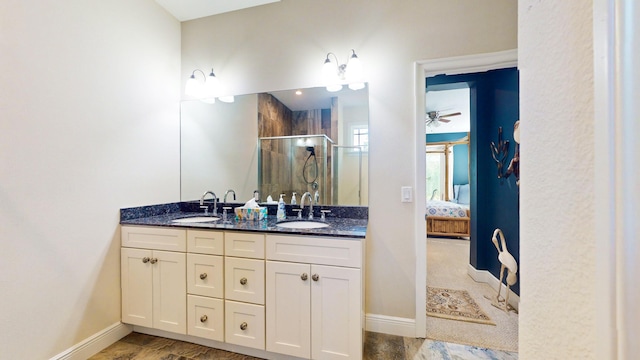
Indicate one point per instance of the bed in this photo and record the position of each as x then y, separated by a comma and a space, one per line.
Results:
449, 218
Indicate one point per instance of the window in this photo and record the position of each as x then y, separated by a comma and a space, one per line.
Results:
360, 137
439, 172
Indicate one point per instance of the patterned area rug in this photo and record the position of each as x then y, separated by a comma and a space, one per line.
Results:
454, 305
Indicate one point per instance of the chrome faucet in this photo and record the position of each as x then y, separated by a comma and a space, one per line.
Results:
215, 203
227, 193
307, 194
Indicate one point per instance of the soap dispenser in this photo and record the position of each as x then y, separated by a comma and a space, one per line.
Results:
281, 214
293, 199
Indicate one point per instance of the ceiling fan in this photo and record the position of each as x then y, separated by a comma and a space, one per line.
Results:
434, 118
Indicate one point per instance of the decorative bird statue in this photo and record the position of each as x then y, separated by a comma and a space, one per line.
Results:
509, 262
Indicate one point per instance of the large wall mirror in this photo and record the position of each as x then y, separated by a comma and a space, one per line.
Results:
301, 140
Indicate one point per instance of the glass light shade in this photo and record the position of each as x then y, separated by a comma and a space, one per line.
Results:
329, 70
354, 69
208, 100
211, 86
193, 87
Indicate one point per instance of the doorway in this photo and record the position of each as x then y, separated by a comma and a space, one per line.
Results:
424, 69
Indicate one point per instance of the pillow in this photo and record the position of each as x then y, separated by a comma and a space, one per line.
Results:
464, 194
456, 192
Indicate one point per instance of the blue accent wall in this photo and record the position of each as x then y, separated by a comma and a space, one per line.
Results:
460, 155
494, 202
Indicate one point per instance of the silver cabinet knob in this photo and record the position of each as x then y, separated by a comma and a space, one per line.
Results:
154, 260
145, 259
203, 276
244, 326
243, 281
304, 276
203, 318
315, 277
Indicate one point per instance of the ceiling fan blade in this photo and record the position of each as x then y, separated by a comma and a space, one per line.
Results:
444, 120
452, 114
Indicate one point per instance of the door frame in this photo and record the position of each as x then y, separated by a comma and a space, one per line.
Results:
422, 70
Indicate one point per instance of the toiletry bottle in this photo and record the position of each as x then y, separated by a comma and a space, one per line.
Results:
293, 199
281, 214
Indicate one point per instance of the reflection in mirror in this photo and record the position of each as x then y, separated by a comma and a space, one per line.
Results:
218, 148
273, 142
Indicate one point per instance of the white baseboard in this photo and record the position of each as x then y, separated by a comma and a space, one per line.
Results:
390, 325
95, 343
486, 277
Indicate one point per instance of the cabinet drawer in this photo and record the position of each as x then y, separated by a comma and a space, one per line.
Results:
205, 275
154, 238
205, 317
246, 245
244, 324
315, 250
244, 280
205, 242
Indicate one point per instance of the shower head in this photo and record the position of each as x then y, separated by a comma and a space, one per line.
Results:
312, 150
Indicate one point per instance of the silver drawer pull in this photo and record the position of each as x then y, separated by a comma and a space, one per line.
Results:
304, 276
243, 281
145, 259
203, 276
203, 318
243, 326
154, 260
315, 277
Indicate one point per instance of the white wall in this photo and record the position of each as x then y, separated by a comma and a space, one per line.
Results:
283, 45
557, 241
89, 123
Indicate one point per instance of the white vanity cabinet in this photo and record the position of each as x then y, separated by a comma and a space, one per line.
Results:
153, 279
314, 297
282, 294
205, 284
244, 289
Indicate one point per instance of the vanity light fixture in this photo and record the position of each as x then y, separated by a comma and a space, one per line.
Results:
207, 89
336, 74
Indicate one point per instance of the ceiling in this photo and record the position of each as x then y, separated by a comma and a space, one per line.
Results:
446, 102
320, 98
184, 10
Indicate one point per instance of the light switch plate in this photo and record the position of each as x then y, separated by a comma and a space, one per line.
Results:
406, 194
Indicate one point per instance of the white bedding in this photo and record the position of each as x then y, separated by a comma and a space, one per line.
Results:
446, 208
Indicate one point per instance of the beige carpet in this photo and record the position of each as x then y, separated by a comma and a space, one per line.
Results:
447, 261
455, 305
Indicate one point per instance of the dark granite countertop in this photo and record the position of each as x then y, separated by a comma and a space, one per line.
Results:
164, 214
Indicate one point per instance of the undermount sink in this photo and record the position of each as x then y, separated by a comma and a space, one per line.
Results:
197, 219
302, 224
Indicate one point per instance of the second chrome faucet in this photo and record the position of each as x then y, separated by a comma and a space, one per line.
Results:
304, 196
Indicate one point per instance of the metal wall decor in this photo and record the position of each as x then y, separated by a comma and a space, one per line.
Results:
500, 152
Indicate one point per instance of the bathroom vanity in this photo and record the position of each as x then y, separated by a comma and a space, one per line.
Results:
249, 287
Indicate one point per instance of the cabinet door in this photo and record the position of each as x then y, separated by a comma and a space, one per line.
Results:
336, 331
288, 308
170, 291
136, 283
